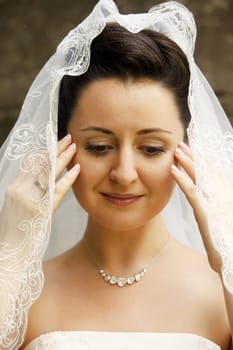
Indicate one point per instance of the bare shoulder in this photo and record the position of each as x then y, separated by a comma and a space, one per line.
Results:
202, 288
194, 269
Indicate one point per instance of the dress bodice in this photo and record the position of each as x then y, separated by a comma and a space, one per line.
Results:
89, 340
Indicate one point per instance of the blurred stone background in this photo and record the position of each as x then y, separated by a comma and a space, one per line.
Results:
31, 29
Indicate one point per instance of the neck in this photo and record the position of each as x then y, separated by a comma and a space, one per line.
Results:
125, 251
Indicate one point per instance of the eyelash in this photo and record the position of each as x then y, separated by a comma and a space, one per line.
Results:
101, 150
97, 150
156, 151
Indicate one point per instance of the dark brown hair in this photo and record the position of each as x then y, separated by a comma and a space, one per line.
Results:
116, 52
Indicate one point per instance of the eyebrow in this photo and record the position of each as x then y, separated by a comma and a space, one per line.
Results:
140, 132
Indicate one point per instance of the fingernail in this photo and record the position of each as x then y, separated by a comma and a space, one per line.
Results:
71, 148
179, 152
75, 169
183, 144
174, 168
66, 138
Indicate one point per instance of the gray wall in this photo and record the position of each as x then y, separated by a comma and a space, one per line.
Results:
31, 29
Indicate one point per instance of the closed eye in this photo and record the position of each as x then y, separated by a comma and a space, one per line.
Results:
102, 150
98, 150
152, 151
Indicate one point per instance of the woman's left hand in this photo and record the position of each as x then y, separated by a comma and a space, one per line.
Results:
187, 182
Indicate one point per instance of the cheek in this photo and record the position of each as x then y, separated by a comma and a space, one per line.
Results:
165, 180
92, 172
90, 166
159, 170
159, 179
166, 176
162, 179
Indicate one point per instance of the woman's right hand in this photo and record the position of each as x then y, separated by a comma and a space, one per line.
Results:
65, 152
19, 207
19, 225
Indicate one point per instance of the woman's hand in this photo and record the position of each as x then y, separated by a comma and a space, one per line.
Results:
186, 181
65, 152
27, 189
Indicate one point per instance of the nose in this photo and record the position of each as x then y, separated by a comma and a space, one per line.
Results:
124, 170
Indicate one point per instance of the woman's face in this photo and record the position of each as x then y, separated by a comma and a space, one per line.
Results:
126, 134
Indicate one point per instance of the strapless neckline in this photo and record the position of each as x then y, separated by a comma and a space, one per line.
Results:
90, 340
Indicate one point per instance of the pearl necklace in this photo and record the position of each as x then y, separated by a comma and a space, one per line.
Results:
124, 281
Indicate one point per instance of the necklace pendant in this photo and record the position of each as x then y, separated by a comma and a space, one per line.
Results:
122, 281
131, 280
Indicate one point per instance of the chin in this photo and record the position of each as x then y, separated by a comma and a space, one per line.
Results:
119, 218
121, 222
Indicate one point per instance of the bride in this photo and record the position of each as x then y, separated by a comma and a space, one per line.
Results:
147, 151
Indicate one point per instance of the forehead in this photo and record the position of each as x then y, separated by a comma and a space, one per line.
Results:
134, 104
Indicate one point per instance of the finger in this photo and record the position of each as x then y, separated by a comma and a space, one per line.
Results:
190, 191
63, 144
186, 162
64, 159
186, 149
186, 184
64, 184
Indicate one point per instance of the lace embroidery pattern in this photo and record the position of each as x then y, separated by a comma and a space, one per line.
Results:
74, 50
32, 147
214, 181
21, 277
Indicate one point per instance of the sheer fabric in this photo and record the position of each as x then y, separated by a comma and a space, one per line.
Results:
29, 153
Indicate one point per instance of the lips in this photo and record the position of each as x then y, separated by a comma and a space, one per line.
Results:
120, 195
121, 199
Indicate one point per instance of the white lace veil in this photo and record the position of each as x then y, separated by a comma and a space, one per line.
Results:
30, 152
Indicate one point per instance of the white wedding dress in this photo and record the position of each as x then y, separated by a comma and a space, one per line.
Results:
89, 340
